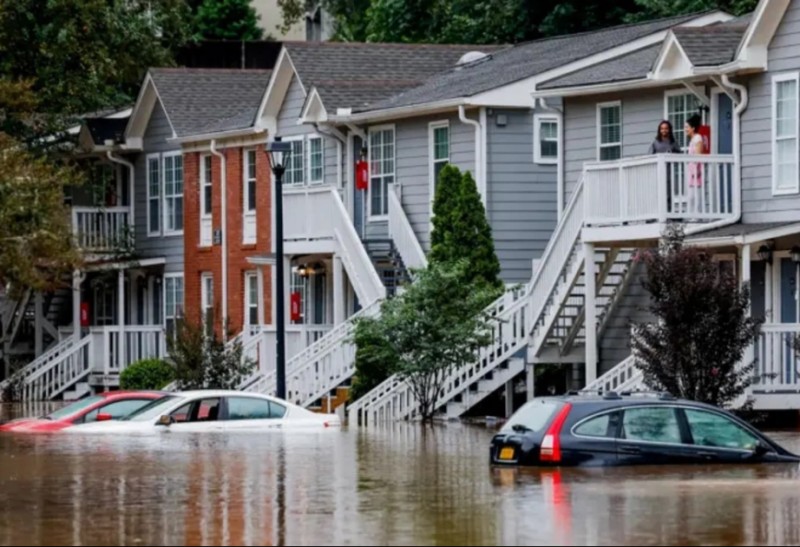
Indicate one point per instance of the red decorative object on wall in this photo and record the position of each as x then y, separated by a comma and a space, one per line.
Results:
84, 314
362, 175
294, 306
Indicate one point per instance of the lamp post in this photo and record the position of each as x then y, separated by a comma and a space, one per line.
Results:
279, 153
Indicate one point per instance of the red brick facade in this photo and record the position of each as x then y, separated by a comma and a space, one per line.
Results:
200, 260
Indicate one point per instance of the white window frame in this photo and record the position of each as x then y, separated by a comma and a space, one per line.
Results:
538, 120
386, 127
206, 294
179, 195
164, 316
248, 304
150, 197
249, 209
307, 152
304, 178
600, 144
432, 127
777, 79
206, 235
675, 93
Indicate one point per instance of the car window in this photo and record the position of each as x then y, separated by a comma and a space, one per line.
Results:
203, 410
248, 408
153, 409
74, 407
711, 429
533, 415
276, 410
117, 409
598, 426
652, 424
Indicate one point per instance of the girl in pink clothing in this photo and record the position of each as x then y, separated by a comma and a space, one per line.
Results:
694, 170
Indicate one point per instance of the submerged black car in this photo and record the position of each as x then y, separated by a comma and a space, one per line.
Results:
628, 429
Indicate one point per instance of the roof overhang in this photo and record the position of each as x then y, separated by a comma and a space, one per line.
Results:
279, 82
755, 43
745, 239
233, 133
313, 109
142, 110
344, 115
672, 62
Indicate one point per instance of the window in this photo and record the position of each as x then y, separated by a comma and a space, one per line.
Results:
599, 426
251, 408
249, 194
609, 124
651, 424
173, 300
533, 416
710, 429
439, 138
205, 201
204, 410
316, 159
207, 299
251, 298
785, 150
173, 193
545, 139
381, 169
295, 169
153, 195
680, 107
117, 410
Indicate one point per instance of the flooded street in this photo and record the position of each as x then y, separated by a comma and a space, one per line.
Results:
398, 485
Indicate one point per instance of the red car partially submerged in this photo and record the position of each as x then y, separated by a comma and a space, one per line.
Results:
112, 405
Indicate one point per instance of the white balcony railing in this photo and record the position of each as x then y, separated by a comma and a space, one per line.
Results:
261, 340
777, 363
141, 342
657, 188
102, 229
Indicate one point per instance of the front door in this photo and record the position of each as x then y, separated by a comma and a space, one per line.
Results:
789, 314
723, 144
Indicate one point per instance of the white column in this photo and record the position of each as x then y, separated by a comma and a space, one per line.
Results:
287, 289
509, 398
530, 380
121, 316
591, 313
38, 323
768, 307
338, 291
260, 275
76, 306
749, 354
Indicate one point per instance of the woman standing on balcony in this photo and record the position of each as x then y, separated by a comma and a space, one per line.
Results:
664, 143
694, 170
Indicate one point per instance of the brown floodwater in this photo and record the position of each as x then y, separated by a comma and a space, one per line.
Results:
395, 485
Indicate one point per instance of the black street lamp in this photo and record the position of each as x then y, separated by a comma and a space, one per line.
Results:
279, 153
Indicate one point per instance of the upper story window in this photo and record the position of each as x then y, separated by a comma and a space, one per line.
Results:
206, 186
249, 184
316, 158
381, 169
173, 300
153, 194
609, 126
439, 137
173, 193
545, 139
679, 108
295, 169
785, 150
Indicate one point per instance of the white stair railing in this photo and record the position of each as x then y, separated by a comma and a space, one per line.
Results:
530, 314
625, 376
402, 233
59, 374
44, 361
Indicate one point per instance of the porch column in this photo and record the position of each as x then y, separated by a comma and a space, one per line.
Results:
38, 323
76, 306
121, 317
530, 380
509, 398
749, 354
260, 276
338, 291
590, 305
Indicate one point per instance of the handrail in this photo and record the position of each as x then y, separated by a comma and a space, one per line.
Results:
402, 233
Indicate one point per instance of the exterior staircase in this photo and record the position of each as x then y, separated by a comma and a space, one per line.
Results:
388, 263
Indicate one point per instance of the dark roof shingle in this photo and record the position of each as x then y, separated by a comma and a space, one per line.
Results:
632, 66
711, 46
204, 100
523, 61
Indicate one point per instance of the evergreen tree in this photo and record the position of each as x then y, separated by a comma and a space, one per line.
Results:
445, 202
226, 20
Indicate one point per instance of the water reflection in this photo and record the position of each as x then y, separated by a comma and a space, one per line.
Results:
399, 485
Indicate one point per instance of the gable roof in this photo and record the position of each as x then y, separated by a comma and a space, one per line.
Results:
712, 45
209, 100
632, 66
526, 60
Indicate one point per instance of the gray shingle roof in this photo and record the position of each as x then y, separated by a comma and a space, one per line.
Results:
353, 75
202, 100
739, 229
712, 45
633, 66
523, 61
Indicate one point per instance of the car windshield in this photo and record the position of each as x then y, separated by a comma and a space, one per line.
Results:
533, 416
71, 409
153, 409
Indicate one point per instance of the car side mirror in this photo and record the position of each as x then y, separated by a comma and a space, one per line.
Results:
103, 417
761, 449
165, 420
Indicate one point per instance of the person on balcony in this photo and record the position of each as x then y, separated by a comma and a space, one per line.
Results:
694, 170
665, 142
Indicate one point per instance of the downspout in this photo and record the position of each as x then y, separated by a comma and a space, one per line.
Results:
131, 184
560, 184
224, 191
478, 159
744, 99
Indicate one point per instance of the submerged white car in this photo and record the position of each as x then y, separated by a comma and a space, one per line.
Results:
214, 410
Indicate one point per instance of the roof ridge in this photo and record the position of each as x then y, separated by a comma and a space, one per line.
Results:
418, 45
199, 70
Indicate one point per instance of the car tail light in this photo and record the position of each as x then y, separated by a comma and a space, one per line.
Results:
551, 444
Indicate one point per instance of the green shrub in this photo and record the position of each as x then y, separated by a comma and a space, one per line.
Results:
147, 374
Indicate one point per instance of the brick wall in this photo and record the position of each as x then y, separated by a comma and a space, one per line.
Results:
199, 260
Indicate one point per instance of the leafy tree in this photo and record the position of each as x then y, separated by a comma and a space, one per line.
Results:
461, 230
204, 361
226, 20
85, 55
695, 347
147, 374
375, 359
654, 9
